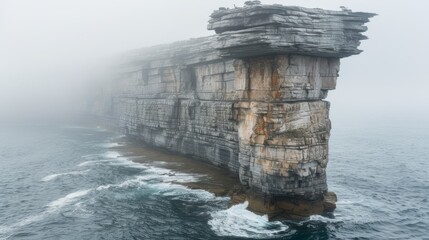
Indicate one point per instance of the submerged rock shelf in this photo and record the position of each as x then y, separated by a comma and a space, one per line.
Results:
249, 99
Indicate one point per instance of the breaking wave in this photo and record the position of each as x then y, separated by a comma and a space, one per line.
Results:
155, 178
23, 222
237, 221
111, 158
110, 145
110, 154
319, 218
93, 162
52, 207
53, 176
68, 199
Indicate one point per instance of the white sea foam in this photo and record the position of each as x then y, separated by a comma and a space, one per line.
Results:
111, 154
157, 162
158, 171
237, 221
114, 162
90, 156
127, 163
4, 230
165, 182
346, 202
68, 199
146, 180
52, 207
168, 176
108, 156
171, 176
166, 189
117, 137
28, 220
100, 129
110, 145
138, 181
320, 218
92, 162
186, 194
53, 176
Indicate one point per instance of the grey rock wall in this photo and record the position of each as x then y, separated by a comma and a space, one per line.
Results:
275, 29
249, 99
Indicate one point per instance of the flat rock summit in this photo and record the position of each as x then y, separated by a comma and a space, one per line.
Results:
248, 99
275, 29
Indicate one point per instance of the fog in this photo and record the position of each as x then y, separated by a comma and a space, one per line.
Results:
49, 48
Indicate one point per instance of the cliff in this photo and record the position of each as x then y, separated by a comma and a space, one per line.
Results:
248, 99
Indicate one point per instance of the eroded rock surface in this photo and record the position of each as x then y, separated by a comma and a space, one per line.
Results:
275, 29
249, 99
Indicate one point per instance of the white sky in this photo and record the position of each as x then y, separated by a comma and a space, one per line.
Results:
43, 41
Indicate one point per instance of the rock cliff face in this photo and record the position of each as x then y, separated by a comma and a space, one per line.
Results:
249, 99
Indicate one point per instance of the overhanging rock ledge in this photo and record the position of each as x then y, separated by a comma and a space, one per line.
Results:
249, 99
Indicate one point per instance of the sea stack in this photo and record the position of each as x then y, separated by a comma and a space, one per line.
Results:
248, 99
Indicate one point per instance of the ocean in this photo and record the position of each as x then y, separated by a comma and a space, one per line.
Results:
70, 182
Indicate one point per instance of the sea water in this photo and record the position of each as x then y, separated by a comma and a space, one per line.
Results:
68, 182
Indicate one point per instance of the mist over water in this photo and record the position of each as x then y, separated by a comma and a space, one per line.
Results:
51, 50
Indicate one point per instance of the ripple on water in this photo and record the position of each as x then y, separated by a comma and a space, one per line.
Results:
150, 203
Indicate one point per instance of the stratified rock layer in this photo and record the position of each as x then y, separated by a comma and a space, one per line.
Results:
249, 99
276, 29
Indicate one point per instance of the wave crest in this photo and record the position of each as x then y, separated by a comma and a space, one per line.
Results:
69, 198
237, 221
53, 176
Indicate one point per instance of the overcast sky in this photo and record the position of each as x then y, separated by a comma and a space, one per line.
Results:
43, 42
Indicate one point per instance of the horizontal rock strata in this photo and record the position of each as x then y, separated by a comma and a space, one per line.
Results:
277, 29
249, 99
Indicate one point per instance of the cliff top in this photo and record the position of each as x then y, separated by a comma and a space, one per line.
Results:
257, 30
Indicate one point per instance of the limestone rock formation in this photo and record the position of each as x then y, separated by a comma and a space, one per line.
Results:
275, 29
249, 99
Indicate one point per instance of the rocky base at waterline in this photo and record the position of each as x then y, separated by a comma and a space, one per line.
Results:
221, 182
289, 208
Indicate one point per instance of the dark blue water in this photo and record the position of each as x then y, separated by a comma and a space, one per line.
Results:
69, 183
